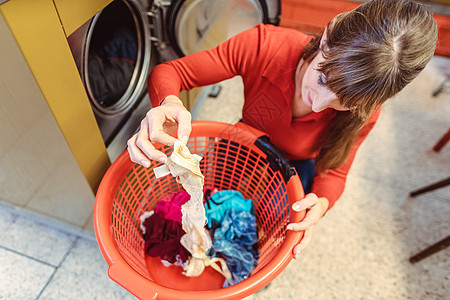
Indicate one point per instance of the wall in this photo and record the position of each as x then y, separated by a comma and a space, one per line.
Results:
38, 171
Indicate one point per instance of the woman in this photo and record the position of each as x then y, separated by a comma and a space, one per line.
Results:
317, 98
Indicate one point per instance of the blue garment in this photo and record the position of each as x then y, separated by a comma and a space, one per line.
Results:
221, 201
236, 240
237, 226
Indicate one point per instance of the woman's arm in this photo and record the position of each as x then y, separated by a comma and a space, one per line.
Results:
227, 60
326, 189
166, 80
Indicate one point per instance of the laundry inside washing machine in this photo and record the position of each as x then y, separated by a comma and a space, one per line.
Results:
112, 56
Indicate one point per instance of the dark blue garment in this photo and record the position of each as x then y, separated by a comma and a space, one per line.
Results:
112, 61
306, 171
235, 241
237, 226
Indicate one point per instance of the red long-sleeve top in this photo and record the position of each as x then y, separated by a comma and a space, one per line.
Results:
266, 58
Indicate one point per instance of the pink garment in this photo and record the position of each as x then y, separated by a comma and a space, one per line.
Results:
170, 205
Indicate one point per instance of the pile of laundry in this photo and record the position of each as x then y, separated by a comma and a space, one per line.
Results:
175, 230
231, 229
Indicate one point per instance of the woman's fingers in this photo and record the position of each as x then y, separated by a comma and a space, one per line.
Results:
141, 149
314, 208
312, 217
159, 125
165, 120
309, 201
136, 154
307, 237
179, 116
184, 126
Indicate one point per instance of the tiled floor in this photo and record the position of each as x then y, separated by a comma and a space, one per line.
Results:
360, 249
38, 261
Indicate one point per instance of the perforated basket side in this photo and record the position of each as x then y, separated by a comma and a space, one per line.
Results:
228, 165
225, 165
137, 192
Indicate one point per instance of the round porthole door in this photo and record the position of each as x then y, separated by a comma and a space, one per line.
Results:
112, 52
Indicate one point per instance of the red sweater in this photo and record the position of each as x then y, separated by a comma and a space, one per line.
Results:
266, 58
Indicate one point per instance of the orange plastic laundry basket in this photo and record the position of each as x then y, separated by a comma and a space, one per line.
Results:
235, 157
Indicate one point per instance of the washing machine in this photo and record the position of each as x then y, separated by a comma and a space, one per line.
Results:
182, 27
116, 49
114, 54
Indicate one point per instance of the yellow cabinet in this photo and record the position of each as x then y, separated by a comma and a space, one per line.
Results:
36, 26
49, 129
73, 14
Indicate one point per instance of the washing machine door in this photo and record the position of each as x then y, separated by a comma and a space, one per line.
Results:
112, 52
183, 27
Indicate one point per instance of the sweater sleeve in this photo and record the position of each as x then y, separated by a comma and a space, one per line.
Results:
331, 184
207, 67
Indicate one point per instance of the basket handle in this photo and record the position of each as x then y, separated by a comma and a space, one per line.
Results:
255, 132
276, 158
248, 136
242, 133
132, 281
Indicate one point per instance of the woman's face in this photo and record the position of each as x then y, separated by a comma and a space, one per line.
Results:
315, 93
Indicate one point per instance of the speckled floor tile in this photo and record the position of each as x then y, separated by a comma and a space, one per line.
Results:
360, 250
398, 152
227, 106
6, 219
349, 260
83, 275
36, 240
21, 277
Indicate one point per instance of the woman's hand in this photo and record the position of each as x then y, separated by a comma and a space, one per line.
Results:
315, 208
159, 125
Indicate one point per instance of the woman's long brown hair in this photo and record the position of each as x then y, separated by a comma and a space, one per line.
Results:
371, 53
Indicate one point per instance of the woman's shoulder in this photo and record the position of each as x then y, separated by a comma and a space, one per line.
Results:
274, 40
267, 48
276, 32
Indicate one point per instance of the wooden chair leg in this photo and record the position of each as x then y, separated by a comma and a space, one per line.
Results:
441, 143
444, 243
431, 187
438, 246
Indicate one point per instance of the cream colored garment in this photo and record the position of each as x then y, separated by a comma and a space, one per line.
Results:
185, 167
